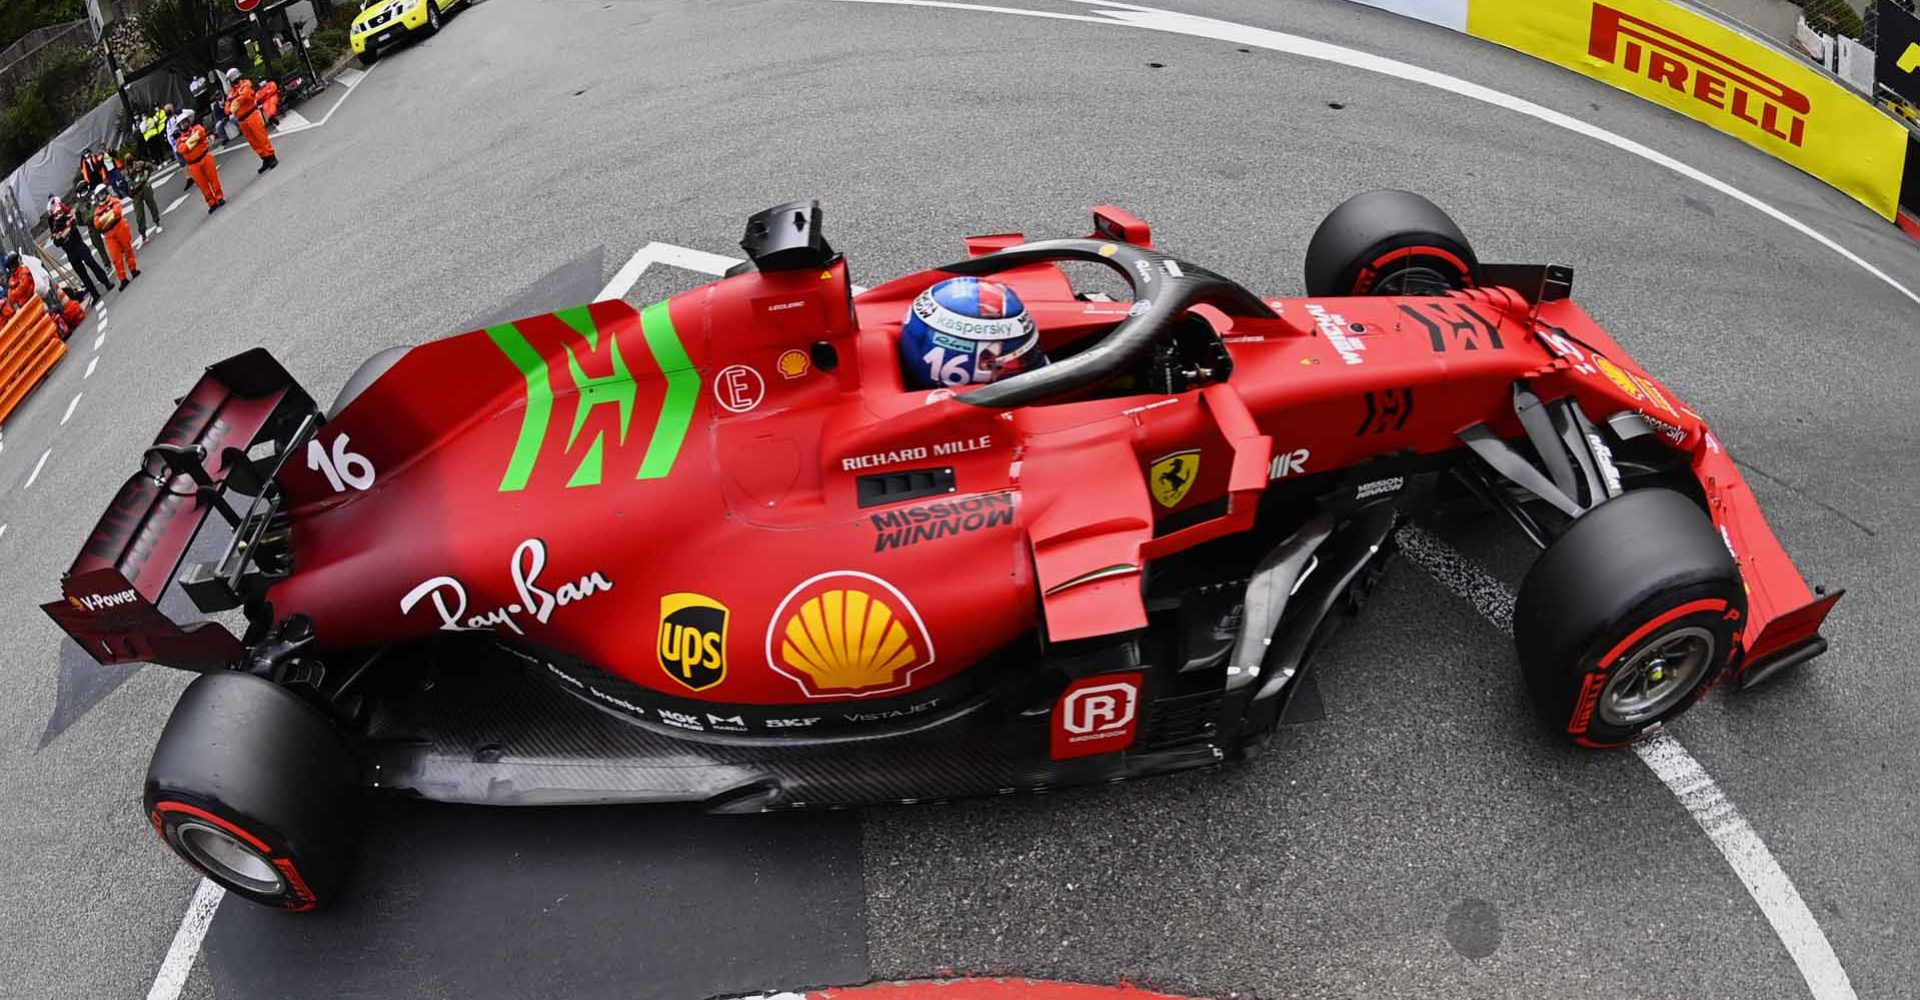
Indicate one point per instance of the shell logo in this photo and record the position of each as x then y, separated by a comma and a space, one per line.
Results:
1618, 377
793, 364
848, 635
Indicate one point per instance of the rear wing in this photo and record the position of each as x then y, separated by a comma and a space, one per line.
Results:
110, 595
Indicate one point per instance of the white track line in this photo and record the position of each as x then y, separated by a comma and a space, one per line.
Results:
175, 203
104, 320
91, 364
178, 964
97, 341
37, 466
1746, 854
294, 121
1750, 860
70, 406
350, 83
1114, 14
663, 253
686, 258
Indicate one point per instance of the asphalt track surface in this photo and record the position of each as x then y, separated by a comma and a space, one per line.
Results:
1413, 833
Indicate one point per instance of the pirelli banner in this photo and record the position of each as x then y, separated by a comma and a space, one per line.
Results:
1715, 75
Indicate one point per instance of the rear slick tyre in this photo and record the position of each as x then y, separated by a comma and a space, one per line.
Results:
254, 787
1628, 618
1389, 243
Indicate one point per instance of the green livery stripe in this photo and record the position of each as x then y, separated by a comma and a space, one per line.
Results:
683, 390
533, 423
676, 409
588, 474
580, 318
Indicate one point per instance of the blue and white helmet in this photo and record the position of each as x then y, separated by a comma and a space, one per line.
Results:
965, 331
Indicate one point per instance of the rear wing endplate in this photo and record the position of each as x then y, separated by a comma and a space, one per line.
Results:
110, 595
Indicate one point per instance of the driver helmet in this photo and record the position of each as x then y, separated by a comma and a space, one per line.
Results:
967, 331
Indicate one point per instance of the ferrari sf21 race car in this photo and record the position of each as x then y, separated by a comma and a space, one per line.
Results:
716, 551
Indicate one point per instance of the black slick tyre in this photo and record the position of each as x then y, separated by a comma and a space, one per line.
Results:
255, 788
1389, 243
1628, 617
433, 20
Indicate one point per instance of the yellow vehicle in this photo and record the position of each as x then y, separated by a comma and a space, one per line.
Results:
381, 23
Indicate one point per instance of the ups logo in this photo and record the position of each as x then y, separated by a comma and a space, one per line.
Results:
693, 640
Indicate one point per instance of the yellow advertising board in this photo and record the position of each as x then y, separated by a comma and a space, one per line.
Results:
1717, 76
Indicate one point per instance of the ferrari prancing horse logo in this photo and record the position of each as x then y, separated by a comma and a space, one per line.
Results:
1170, 478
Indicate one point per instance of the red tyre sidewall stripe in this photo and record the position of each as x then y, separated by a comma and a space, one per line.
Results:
305, 896
1424, 251
1595, 681
298, 884
197, 812
1689, 608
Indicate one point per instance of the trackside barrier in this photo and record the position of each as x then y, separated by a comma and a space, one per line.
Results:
29, 348
1674, 56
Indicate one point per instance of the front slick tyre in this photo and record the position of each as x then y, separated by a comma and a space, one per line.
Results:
1389, 243
253, 786
1628, 618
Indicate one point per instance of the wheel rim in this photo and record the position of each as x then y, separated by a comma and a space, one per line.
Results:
1414, 280
1656, 677
222, 854
433, 15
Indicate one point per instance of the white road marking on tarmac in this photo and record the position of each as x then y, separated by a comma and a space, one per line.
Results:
240, 142
91, 364
293, 121
1746, 854
104, 320
1750, 860
178, 964
685, 258
97, 341
3, 531
74, 403
1152, 19
37, 466
662, 253
349, 82
175, 203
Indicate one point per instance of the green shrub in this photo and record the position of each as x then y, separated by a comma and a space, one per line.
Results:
27, 125
16, 19
327, 45
184, 27
1833, 17
62, 89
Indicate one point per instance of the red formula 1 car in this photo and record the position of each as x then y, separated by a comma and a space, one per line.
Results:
713, 550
